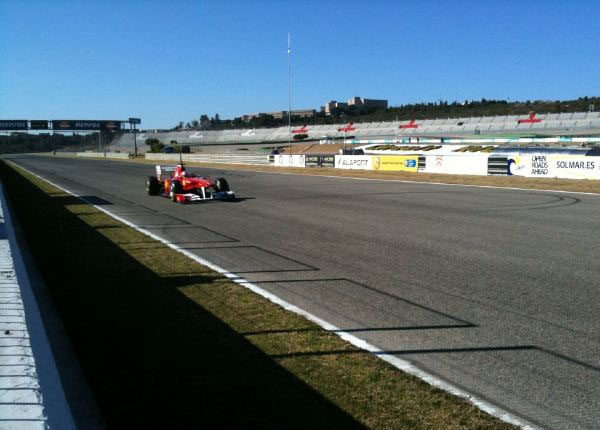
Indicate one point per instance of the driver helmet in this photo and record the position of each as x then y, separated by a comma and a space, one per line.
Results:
180, 171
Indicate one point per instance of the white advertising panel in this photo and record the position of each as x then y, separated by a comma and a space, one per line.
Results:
283, 160
472, 164
355, 162
555, 166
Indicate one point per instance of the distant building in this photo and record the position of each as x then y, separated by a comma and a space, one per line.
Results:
250, 116
354, 101
359, 101
302, 113
331, 105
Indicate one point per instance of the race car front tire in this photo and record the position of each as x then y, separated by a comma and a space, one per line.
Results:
176, 188
152, 186
221, 185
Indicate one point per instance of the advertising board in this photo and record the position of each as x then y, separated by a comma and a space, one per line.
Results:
91, 125
312, 161
555, 166
62, 124
327, 160
319, 160
39, 124
13, 124
354, 162
472, 164
403, 163
283, 160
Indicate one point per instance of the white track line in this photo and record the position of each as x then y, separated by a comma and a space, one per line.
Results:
399, 363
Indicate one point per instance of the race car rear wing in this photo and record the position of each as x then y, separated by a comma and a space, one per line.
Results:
160, 170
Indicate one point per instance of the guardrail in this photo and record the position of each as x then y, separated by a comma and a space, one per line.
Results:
119, 155
211, 158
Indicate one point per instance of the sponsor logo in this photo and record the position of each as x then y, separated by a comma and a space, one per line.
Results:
515, 166
353, 162
587, 165
87, 125
376, 163
13, 125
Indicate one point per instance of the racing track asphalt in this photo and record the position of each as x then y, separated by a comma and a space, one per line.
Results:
496, 291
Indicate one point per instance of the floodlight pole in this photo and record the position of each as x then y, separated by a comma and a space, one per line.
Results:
289, 94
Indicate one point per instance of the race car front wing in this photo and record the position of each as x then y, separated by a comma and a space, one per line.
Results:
193, 197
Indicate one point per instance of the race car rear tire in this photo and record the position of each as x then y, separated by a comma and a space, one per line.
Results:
152, 186
221, 185
176, 188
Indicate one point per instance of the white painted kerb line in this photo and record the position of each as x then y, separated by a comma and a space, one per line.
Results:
31, 392
399, 363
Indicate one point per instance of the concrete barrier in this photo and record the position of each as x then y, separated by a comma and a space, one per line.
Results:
119, 155
210, 158
31, 391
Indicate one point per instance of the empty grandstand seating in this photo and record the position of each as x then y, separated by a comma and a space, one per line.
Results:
552, 124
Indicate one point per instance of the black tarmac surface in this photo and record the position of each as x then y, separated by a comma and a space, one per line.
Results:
496, 291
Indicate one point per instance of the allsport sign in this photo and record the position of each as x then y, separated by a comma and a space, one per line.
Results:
354, 162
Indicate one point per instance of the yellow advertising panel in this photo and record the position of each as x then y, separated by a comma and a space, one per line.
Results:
404, 163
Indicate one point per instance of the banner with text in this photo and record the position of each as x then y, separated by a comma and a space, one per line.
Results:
87, 125
555, 166
354, 162
399, 163
13, 124
319, 160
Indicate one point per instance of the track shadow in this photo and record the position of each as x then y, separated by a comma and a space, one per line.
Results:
154, 358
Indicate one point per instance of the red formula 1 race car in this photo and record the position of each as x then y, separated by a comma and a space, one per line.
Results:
181, 186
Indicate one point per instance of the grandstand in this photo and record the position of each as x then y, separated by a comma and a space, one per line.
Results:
551, 124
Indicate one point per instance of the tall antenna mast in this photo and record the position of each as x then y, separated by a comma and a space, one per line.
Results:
289, 93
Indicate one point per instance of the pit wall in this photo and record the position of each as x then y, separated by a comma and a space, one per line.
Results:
529, 165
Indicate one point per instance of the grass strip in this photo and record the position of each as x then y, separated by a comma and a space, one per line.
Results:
165, 342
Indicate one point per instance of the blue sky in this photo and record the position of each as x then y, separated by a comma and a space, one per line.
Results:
171, 61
